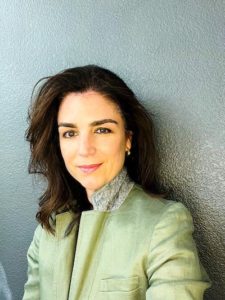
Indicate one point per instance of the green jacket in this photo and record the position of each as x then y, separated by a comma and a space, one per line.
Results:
143, 250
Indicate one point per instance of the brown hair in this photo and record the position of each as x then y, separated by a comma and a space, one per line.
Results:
63, 191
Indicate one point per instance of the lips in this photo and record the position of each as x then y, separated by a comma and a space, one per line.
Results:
87, 169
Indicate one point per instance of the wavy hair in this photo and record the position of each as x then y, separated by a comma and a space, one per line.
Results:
63, 192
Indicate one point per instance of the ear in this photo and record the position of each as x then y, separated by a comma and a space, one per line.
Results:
129, 135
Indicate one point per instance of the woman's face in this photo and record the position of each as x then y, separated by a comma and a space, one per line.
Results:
92, 137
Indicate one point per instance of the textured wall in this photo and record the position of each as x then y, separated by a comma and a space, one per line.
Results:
171, 53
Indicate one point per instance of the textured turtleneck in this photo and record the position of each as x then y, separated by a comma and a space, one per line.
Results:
113, 194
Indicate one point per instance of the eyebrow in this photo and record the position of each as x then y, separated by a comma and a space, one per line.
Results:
94, 123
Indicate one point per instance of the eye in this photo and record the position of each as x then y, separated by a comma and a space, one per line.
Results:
103, 130
69, 134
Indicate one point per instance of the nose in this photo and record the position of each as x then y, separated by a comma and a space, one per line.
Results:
86, 145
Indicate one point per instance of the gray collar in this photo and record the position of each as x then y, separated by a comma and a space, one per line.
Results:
113, 194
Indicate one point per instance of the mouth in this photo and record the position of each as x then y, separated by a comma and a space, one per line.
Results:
87, 169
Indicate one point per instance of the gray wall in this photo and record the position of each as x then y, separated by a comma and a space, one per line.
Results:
171, 53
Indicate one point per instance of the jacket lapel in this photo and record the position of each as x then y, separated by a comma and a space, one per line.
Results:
87, 254
65, 250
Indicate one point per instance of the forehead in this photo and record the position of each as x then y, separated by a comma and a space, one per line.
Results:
89, 105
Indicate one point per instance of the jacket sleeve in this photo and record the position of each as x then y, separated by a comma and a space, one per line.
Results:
174, 271
31, 288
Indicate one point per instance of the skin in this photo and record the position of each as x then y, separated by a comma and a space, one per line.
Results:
93, 139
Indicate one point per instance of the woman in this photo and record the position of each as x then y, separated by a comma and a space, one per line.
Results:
104, 233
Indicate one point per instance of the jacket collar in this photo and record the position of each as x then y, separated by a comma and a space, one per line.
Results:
62, 222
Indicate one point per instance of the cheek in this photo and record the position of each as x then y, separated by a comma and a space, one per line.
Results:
116, 148
65, 152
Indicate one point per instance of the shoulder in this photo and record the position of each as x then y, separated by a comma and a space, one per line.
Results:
37, 234
138, 198
156, 209
34, 246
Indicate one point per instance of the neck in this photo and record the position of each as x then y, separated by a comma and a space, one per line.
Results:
111, 195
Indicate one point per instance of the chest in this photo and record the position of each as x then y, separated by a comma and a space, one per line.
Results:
108, 254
